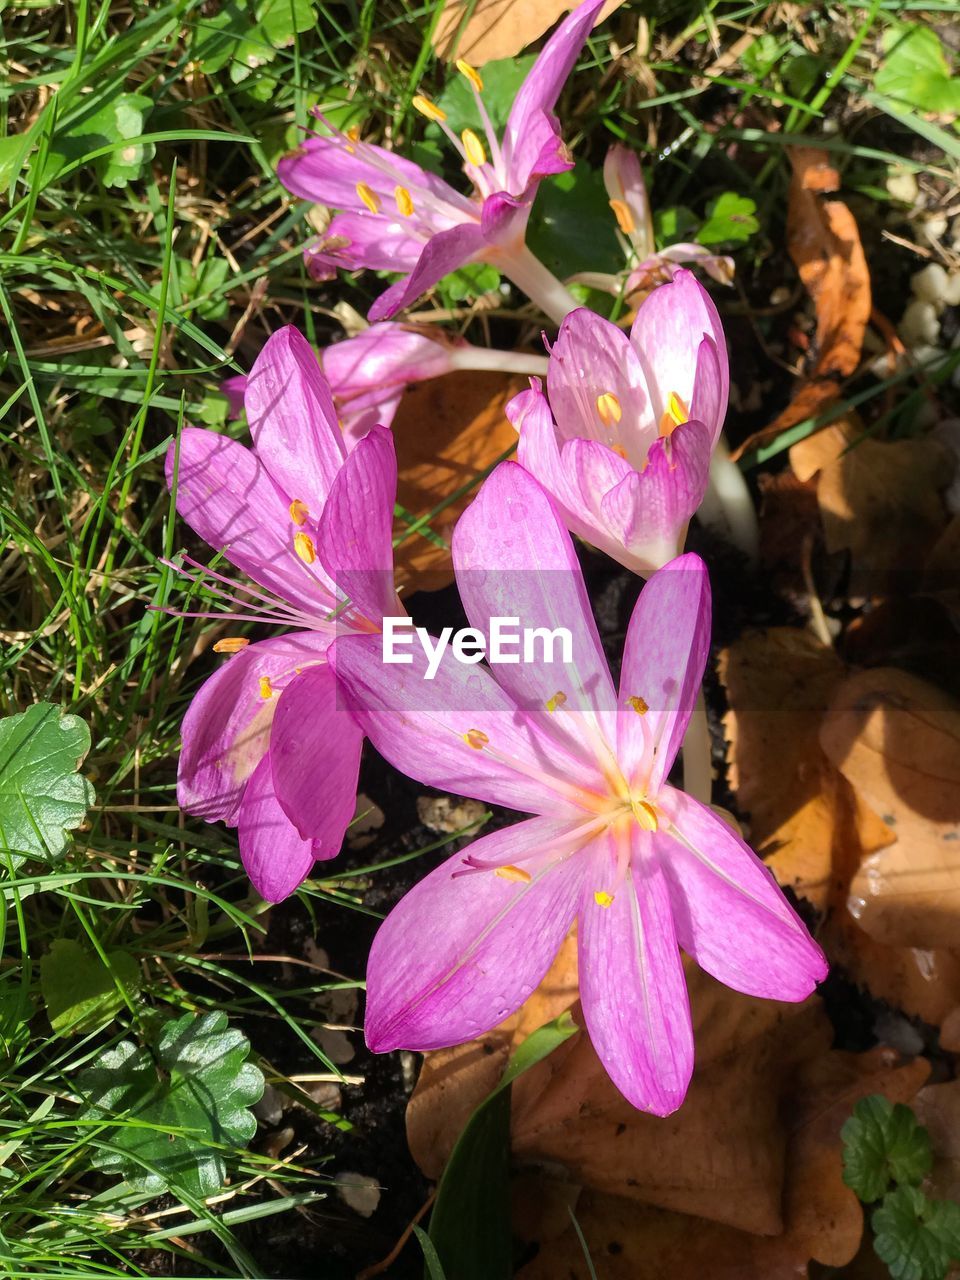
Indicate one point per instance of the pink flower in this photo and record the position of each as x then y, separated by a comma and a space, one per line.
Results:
643, 869
266, 745
624, 442
399, 217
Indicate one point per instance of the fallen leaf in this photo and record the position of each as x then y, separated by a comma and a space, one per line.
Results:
448, 432
938, 1107
950, 1031
482, 30
896, 739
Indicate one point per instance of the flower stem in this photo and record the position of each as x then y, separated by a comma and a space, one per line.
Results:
500, 361
697, 767
727, 507
541, 286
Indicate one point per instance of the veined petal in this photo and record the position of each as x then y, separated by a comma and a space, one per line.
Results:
234, 388
386, 354
514, 559
623, 180
663, 660
632, 985
729, 912
293, 419
443, 253
227, 497
465, 948
459, 731
539, 448
274, 855
667, 334
503, 218
315, 749
354, 240
538, 152
356, 528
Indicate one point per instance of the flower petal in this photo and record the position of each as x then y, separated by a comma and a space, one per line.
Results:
442, 253
233, 388
227, 497
226, 731
537, 152
356, 528
663, 660
514, 559
354, 240
729, 912
465, 948
623, 180
384, 355
293, 420
632, 985
315, 749
274, 855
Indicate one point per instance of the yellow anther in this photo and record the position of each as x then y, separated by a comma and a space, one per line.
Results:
608, 407
645, 814
230, 644
428, 108
638, 704
404, 201
266, 688
303, 546
675, 414
558, 699
603, 899
624, 217
476, 738
369, 197
471, 74
473, 147
298, 511
513, 873
353, 133
619, 450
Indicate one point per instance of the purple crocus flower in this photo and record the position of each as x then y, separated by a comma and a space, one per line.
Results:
641, 867
624, 442
399, 217
267, 747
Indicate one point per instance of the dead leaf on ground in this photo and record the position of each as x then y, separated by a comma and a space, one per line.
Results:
482, 30
938, 1107
896, 739
447, 431
824, 243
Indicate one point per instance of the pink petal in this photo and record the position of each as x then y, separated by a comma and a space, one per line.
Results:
356, 529
354, 240
623, 180
233, 388
514, 559
384, 355
226, 731
537, 152
425, 728
227, 497
293, 420
729, 912
631, 982
462, 951
443, 253
274, 856
315, 749
663, 660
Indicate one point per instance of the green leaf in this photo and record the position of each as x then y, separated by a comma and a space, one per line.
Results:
80, 992
916, 71
470, 1222
673, 225
917, 1238
729, 219
42, 797
467, 283
207, 278
179, 1104
761, 56
281, 20
572, 227
501, 80
217, 36
883, 1143
119, 120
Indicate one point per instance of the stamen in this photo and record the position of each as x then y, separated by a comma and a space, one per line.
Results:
624, 217
266, 688
608, 407
353, 137
303, 546
368, 196
645, 814
298, 511
473, 147
603, 899
558, 699
471, 74
404, 201
513, 873
476, 738
231, 644
638, 704
428, 108
675, 414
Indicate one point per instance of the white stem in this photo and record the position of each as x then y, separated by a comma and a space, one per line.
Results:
541, 286
697, 765
500, 361
727, 508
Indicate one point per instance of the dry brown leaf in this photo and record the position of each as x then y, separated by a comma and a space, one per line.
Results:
950, 1031
721, 1155
897, 741
447, 432
498, 28
824, 243
938, 1107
